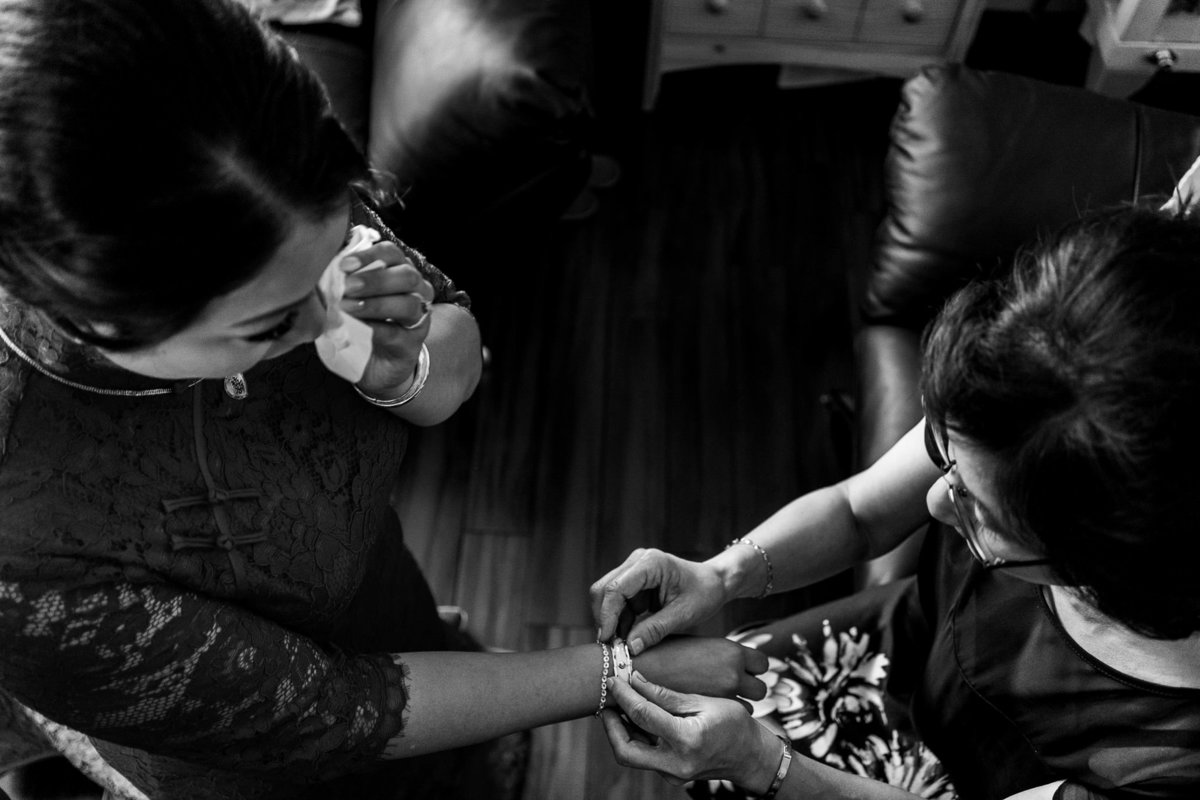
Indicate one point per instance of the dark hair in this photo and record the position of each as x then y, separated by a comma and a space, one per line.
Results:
153, 155
1080, 373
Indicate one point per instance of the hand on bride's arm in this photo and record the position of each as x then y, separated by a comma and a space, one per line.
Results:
685, 737
690, 737
677, 593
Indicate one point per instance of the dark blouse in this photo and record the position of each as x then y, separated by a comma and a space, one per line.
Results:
1008, 701
208, 587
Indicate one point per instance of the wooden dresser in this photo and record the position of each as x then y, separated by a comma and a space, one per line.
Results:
828, 37
1133, 39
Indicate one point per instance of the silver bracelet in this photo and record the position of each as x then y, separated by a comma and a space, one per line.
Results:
770, 571
785, 761
622, 661
420, 376
603, 678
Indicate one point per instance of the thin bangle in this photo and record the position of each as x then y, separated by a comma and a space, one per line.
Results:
766, 558
420, 376
785, 762
603, 678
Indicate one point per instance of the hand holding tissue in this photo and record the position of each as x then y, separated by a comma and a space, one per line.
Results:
345, 346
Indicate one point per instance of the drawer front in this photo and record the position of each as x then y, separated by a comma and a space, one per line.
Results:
733, 17
913, 22
813, 20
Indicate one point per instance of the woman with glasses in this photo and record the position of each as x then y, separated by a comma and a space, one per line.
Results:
1049, 646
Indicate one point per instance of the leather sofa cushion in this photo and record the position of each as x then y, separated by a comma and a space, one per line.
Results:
981, 162
308, 12
343, 64
473, 102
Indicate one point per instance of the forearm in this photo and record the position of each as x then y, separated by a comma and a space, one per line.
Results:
811, 538
830, 529
455, 363
805, 778
808, 778
462, 698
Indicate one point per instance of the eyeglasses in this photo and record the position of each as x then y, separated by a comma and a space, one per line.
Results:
964, 507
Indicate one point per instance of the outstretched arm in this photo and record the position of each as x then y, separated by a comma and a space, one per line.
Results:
827, 531
179, 674
813, 537
499, 694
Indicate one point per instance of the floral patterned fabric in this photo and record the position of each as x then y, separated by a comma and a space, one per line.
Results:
210, 588
827, 698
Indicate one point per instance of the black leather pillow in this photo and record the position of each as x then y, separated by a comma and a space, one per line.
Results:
479, 109
982, 162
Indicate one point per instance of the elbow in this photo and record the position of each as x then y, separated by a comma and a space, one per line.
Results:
871, 530
452, 394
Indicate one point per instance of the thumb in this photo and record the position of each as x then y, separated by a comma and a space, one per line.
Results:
669, 700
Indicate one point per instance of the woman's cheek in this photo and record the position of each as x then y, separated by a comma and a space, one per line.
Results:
937, 499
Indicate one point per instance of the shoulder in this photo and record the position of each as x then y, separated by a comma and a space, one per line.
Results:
1167, 663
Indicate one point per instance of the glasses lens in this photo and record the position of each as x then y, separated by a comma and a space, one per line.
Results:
933, 449
939, 453
966, 524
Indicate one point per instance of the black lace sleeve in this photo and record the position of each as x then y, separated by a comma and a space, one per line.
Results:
179, 675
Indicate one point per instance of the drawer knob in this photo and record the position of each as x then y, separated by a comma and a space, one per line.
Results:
814, 9
716, 6
913, 10
1163, 59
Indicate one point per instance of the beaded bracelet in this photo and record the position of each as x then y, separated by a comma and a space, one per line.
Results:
603, 678
785, 761
420, 375
770, 572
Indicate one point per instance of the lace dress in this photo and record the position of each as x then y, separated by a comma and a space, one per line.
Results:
210, 588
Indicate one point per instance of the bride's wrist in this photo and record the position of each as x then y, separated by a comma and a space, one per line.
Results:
385, 392
408, 390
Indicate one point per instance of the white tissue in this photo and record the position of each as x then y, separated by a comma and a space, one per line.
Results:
345, 345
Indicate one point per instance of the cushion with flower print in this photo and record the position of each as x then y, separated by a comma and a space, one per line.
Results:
829, 701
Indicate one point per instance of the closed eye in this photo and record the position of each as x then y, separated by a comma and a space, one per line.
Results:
278, 330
